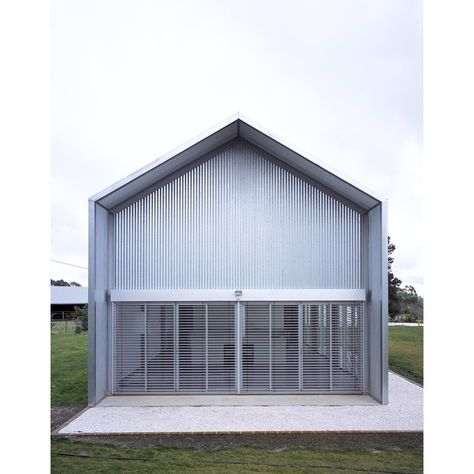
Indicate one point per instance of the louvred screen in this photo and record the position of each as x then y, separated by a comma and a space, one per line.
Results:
238, 348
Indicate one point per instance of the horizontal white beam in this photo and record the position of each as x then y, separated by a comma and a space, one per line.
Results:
246, 295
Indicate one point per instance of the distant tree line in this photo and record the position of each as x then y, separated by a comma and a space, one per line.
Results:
404, 304
64, 283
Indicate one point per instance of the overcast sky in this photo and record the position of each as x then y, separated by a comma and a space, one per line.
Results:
133, 79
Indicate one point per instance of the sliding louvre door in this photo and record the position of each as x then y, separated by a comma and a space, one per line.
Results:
333, 347
347, 354
316, 347
284, 349
221, 347
129, 343
143, 348
255, 349
206, 342
191, 352
166, 348
270, 347
302, 347
160, 357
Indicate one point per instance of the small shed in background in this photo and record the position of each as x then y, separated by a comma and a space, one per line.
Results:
64, 298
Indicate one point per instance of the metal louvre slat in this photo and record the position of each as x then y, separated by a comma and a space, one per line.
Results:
347, 357
316, 348
160, 347
256, 357
333, 347
129, 360
192, 367
221, 347
284, 347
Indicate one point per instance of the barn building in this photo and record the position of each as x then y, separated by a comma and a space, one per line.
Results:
65, 298
236, 265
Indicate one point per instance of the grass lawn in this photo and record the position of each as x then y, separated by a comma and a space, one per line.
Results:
406, 351
172, 460
68, 369
69, 387
61, 326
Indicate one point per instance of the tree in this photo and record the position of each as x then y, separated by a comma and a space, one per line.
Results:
403, 303
393, 285
80, 314
64, 283
59, 283
411, 304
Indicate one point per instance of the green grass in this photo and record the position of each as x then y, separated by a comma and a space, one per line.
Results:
406, 351
68, 369
173, 460
63, 327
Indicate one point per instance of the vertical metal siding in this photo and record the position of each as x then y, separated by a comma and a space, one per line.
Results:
237, 220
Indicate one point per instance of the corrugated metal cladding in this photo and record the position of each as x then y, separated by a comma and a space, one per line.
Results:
238, 348
237, 220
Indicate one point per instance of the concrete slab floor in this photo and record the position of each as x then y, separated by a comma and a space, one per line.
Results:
403, 413
235, 400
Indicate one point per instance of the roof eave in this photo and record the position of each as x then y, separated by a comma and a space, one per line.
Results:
206, 135
304, 155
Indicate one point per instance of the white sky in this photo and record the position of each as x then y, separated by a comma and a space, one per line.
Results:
341, 79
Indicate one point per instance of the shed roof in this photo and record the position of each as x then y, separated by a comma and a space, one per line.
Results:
234, 127
69, 295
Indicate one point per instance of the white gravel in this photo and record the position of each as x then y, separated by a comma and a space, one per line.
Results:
403, 413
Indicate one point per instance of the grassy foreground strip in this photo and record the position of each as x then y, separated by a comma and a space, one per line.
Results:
68, 369
79, 457
406, 351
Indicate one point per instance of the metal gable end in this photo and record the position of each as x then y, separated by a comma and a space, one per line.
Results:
234, 127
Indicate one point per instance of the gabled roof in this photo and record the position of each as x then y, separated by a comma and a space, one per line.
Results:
234, 127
